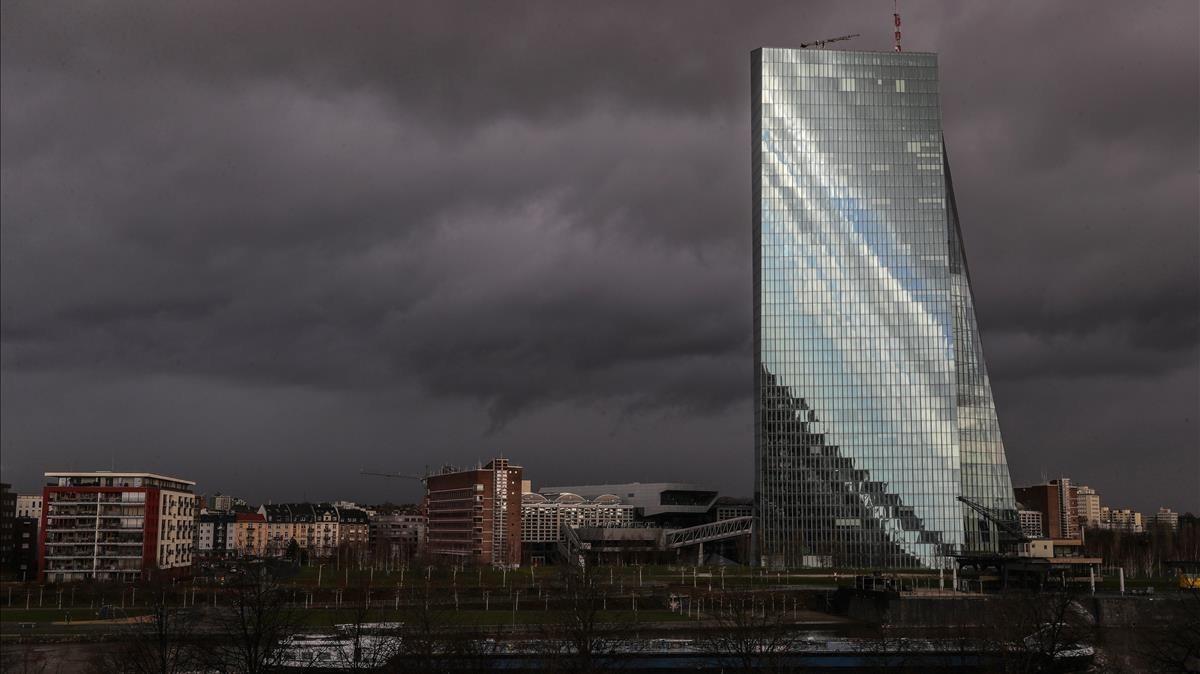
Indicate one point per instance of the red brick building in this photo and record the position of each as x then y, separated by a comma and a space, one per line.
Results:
1056, 501
474, 516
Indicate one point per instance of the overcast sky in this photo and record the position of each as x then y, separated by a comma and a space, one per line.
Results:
266, 246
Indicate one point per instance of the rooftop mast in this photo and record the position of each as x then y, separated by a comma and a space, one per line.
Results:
896, 17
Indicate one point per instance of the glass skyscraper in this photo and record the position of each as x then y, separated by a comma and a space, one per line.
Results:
873, 411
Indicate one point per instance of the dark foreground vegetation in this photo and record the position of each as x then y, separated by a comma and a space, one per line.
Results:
260, 617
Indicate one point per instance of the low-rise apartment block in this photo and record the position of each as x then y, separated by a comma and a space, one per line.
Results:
215, 534
318, 529
1031, 523
1125, 519
250, 534
29, 505
396, 537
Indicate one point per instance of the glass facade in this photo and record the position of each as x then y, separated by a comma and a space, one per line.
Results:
873, 408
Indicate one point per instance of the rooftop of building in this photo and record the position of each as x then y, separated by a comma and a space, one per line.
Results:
818, 52
568, 498
112, 473
311, 512
654, 499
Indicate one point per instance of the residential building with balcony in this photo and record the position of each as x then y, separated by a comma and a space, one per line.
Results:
215, 534
29, 505
317, 528
1087, 507
396, 536
287, 522
1125, 519
354, 527
110, 526
250, 534
1031, 523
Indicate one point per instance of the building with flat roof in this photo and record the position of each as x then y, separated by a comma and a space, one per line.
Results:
1087, 506
873, 408
729, 507
112, 526
668, 504
25, 548
1056, 501
8, 516
1165, 517
544, 515
396, 536
215, 534
474, 516
29, 505
1031, 523
1124, 519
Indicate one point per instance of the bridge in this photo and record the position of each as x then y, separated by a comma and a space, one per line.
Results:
708, 533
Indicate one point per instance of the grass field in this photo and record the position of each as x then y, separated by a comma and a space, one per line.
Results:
474, 617
49, 615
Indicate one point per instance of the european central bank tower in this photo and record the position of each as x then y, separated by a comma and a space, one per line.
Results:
873, 410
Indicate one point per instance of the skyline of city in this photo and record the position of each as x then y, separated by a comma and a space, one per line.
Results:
553, 268
451, 337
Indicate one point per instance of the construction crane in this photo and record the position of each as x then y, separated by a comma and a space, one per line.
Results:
1004, 520
402, 476
822, 43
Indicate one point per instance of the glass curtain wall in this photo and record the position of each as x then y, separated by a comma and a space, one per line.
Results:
873, 410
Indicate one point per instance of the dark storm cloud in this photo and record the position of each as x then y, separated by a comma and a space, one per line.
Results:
536, 214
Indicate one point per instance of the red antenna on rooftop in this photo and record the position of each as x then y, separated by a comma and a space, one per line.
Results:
896, 17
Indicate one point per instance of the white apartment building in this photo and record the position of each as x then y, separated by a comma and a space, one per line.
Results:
1165, 517
1087, 507
1127, 520
110, 526
29, 505
1031, 523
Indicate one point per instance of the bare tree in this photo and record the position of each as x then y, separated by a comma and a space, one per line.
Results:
367, 643
748, 633
435, 638
159, 642
582, 637
1034, 631
252, 627
1175, 645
